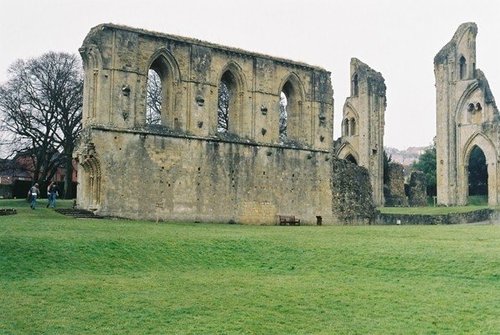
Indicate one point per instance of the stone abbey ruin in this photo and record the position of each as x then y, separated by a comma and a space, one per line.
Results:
185, 168
263, 159
467, 120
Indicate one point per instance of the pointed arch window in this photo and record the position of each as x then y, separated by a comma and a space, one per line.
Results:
463, 68
228, 104
290, 112
283, 116
159, 93
345, 127
154, 98
352, 126
355, 85
223, 107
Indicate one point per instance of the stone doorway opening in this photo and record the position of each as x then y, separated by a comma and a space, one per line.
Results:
477, 173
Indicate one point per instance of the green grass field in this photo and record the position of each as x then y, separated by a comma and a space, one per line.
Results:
79, 276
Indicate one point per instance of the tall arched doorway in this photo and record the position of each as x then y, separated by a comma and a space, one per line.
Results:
477, 174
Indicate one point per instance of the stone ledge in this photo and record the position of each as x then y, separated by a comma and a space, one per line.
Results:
231, 139
422, 219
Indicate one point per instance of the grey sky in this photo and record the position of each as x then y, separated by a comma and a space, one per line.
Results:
398, 38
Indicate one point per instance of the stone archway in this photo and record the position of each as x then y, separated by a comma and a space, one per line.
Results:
482, 143
164, 65
91, 182
477, 173
298, 123
347, 152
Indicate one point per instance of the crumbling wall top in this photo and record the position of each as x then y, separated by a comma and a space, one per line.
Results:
374, 78
451, 47
94, 36
485, 87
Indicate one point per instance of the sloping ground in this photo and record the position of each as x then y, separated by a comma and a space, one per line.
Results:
64, 276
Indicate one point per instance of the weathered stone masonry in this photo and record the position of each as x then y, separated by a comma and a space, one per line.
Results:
467, 118
362, 140
184, 169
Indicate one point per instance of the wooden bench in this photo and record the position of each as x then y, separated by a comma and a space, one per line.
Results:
290, 220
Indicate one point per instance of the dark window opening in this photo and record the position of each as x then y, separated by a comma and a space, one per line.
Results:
353, 129
346, 127
463, 68
355, 85
351, 159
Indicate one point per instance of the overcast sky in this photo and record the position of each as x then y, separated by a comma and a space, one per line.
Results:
398, 38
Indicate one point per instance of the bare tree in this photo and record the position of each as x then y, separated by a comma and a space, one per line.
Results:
6, 140
41, 107
154, 102
154, 98
223, 108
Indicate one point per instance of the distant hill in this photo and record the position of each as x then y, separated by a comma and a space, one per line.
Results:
405, 157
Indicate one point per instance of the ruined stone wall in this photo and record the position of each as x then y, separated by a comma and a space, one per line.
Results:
426, 219
352, 194
150, 176
362, 138
395, 192
117, 60
183, 169
417, 189
467, 117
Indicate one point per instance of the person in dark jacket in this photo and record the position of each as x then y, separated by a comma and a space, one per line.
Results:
33, 194
52, 194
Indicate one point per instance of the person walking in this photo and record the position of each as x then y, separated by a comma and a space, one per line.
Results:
52, 194
33, 194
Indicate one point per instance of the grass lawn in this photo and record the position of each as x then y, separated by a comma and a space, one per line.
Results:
80, 276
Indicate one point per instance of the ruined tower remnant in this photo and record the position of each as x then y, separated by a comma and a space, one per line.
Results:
362, 140
467, 119
417, 189
188, 161
395, 190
